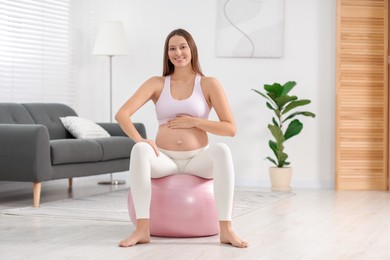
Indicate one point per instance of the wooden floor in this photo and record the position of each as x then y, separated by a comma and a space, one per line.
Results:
313, 224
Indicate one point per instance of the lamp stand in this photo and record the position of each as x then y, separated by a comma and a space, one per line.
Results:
111, 181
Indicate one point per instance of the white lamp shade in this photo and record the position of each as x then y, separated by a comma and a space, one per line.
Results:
111, 39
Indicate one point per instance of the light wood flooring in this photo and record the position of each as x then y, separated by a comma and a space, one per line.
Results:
313, 224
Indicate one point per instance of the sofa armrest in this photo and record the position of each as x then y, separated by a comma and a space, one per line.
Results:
115, 130
24, 153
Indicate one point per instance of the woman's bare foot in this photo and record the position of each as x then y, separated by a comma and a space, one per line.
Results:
141, 235
228, 236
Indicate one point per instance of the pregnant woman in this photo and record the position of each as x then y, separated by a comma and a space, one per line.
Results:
183, 97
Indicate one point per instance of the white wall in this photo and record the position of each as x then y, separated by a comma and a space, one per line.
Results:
309, 59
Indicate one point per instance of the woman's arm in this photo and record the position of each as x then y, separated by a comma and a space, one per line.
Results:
216, 97
148, 91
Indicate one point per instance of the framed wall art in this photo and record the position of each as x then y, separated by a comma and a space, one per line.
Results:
250, 28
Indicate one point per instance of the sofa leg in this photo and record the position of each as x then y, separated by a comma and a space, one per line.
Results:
37, 186
70, 180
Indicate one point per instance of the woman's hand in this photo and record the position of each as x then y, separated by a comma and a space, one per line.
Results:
151, 143
182, 121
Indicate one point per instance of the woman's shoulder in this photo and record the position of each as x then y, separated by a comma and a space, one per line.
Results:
211, 87
153, 87
210, 83
155, 79
154, 82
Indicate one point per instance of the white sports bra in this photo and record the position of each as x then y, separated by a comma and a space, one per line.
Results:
167, 107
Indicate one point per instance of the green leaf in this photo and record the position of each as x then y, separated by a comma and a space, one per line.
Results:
303, 113
294, 128
288, 86
282, 159
283, 100
275, 90
277, 147
271, 160
273, 147
258, 92
274, 121
270, 106
268, 98
295, 104
277, 134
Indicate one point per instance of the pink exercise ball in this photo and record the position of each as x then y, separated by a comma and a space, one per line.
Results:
181, 206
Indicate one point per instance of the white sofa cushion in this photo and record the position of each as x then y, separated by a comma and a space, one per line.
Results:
83, 128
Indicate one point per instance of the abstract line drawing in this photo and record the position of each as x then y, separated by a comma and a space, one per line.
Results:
250, 28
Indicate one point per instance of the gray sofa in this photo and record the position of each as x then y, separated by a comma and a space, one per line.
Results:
35, 147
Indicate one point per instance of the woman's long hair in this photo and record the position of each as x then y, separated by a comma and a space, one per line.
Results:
169, 68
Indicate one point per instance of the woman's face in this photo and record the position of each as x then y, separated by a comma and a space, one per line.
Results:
179, 52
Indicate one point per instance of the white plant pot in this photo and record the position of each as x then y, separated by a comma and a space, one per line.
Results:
280, 178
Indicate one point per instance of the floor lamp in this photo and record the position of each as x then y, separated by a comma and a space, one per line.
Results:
111, 41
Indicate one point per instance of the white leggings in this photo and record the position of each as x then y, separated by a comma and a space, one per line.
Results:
211, 162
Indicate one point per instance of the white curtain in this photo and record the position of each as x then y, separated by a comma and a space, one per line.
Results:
36, 54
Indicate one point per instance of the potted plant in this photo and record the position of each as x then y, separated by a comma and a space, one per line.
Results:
282, 104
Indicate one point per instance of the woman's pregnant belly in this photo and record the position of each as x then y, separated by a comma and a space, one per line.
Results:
180, 139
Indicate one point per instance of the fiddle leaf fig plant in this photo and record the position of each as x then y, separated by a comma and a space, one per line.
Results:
282, 104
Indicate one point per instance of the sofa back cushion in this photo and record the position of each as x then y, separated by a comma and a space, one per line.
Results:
14, 113
48, 114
